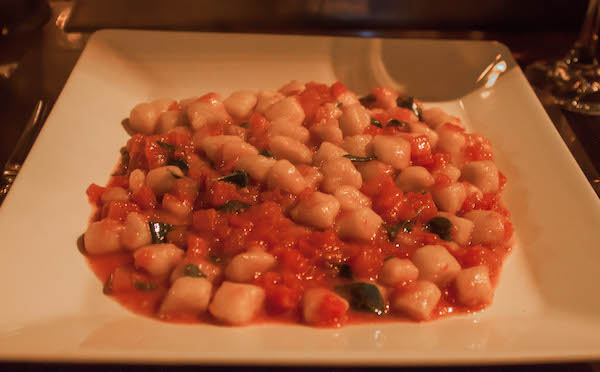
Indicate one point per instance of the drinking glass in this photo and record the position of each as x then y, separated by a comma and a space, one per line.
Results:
573, 82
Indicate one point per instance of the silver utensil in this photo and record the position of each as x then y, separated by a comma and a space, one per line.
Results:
19, 153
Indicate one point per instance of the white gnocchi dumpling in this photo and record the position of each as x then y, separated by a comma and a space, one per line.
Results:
452, 142
359, 145
213, 145
449, 198
420, 128
257, 166
312, 305
162, 179
287, 109
483, 174
179, 208
204, 112
285, 176
373, 169
351, 198
392, 150
169, 120
328, 151
114, 194
339, 172
290, 149
489, 227
137, 179
158, 259
240, 104
280, 127
328, 131
136, 233
398, 270
103, 237
414, 179
435, 264
461, 228
418, 301
435, 117
245, 266
143, 118
237, 303
474, 287
362, 224
319, 210
355, 118
187, 295
212, 272
265, 99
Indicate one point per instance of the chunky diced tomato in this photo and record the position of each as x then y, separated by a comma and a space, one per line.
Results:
312, 98
293, 261
367, 262
332, 310
404, 114
387, 198
220, 193
442, 180
177, 235
337, 89
480, 255
258, 126
185, 189
118, 210
420, 151
478, 148
205, 220
94, 192
145, 197
179, 138
196, 246
440, 161
417, 207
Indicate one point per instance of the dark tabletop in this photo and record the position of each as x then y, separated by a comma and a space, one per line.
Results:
37, 56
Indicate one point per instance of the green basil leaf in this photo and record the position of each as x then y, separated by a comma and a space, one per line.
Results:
233, 206
409, 103
145, 286
244, 124
440, 226
345, 271
393, 230
166, 146
266, 153
398, 123
158, 231
193, 271
376, 123
339, 104
179, 163
359, 159
176, 176
237, 178
363, 297
367, 100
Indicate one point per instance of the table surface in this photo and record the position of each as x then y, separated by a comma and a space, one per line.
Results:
35, 64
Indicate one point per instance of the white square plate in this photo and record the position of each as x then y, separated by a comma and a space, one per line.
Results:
546, 308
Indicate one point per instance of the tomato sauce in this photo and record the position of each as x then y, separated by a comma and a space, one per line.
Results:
306, 257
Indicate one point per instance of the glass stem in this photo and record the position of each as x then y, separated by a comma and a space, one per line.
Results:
584, 50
